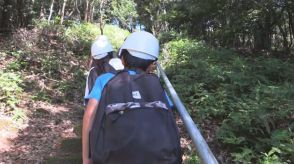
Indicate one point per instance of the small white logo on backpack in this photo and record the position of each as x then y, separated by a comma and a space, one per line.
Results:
136, 95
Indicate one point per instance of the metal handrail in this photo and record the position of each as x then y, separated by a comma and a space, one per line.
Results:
202, 148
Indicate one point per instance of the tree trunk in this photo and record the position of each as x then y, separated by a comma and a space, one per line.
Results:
42, 10
262, 35
78, 13
285, 41
75, 13
51, 10
6, 14
165, 23
86, 11
30, 14
131, 24
92, 11
291, 27
101, 12
20, 18
59, 6
62, 11
101, 25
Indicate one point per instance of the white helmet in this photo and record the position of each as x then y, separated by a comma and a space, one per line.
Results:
101, 47
141, 44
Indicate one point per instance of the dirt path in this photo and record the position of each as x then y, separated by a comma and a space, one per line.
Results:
52, 135
47, 127
50, 121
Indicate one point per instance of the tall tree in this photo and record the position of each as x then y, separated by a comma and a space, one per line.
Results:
243, 23
51, 10
86, 12
6, 15
124, 11
76, 14
63, 11
103, 6
151, 14
42, 10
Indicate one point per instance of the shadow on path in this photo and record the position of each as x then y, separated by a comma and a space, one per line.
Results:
52, 134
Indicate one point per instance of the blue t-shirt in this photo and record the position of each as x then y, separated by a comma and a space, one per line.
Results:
102, 80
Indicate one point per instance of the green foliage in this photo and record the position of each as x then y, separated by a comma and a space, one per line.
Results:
245, 156
51, 66
168, 36
239, 24
57, 20
250, 98
16, 54
18, 115
41, 96
40, 23
192, 159
19, 63
80, 36
60, 70
116, 35
73, 89
125, 12
272, 157
10, 90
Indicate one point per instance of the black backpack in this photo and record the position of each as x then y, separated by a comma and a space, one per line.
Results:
134, 123
93, 74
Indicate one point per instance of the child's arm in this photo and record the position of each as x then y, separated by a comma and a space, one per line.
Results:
90, 112
87, 124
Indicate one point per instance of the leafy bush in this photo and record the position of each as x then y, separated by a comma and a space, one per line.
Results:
168, 36
73, 89
10, 90
80, 36
192, 159
250, 98
116, 35
77, 36
19, 115
40, 23
51, 66
19, 63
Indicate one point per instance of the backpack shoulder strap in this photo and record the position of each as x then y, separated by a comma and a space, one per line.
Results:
91, 78
109, 69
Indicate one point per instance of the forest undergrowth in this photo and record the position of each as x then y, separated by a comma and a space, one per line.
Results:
243, 104
41, 86
42, 82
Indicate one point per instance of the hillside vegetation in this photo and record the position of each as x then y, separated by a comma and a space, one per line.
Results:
244, 103
231, 62
42, 81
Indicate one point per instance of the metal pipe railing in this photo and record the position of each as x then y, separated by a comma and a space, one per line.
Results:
202, 148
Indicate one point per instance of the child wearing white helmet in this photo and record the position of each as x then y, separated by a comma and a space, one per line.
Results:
138, 52
102, 61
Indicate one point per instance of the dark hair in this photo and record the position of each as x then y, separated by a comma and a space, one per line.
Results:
133, 62
99, 63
